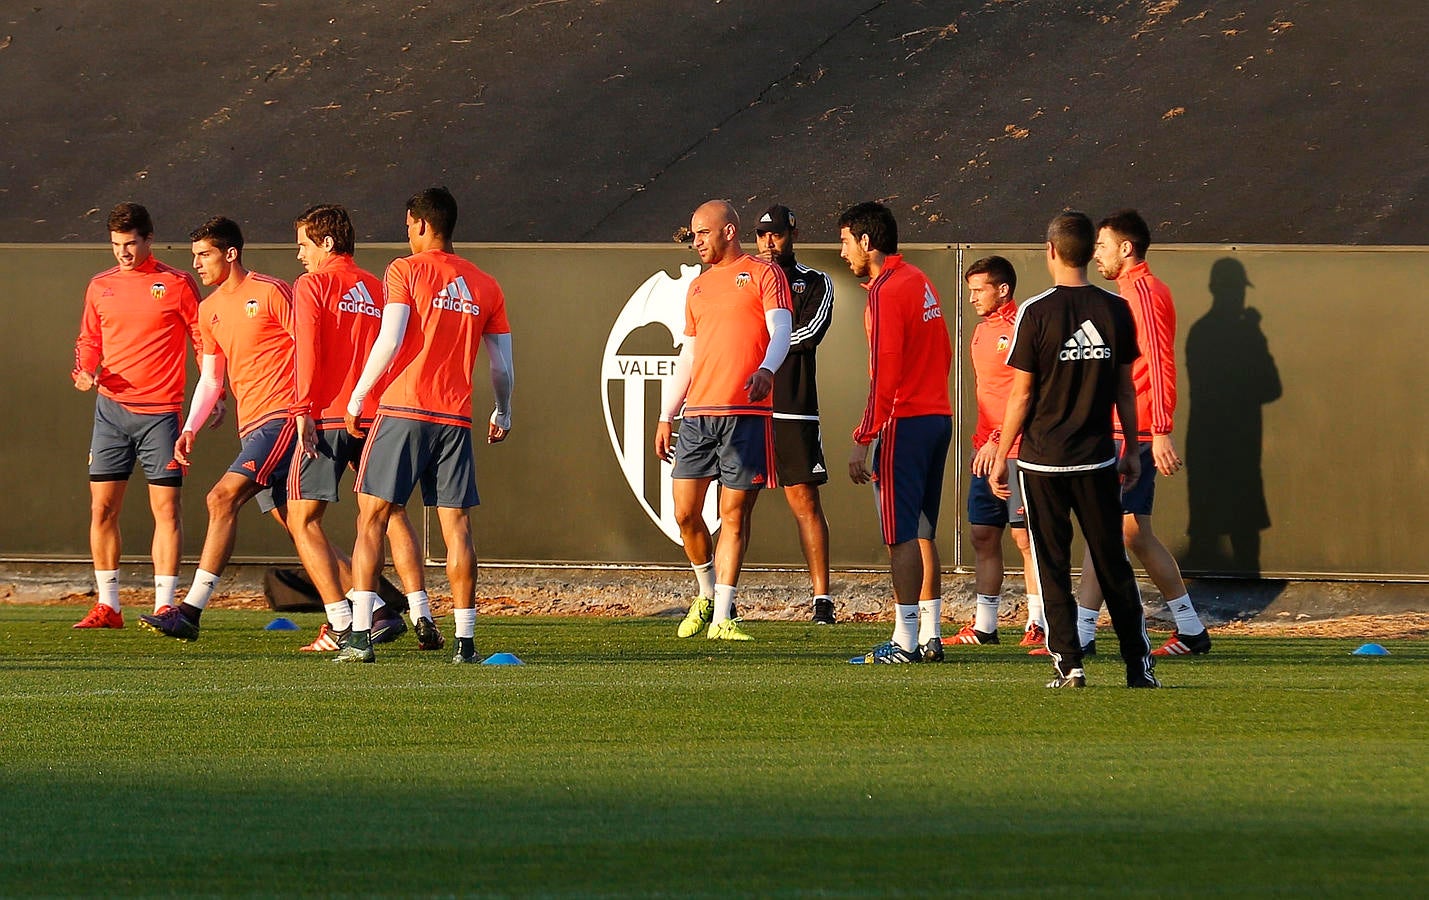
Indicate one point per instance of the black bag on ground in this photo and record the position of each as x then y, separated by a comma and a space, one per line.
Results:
292, 591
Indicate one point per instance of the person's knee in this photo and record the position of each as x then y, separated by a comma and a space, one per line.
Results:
104, 510
1137, 534
986, 539
1020, 538
223, 501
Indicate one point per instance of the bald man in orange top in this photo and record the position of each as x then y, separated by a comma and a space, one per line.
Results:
738, 320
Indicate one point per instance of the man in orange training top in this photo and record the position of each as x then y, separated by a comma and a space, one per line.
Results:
440, 310
138, 318
738, 319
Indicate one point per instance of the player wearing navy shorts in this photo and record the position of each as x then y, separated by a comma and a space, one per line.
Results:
901, 443
1122, 241
992, 283
247, 330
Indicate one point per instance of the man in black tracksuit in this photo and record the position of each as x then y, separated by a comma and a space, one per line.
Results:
1072, 348
797, 443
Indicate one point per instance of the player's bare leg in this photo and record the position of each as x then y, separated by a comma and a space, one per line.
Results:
225, 500
1034, 632
305, 522
1190, 636
736, 513
808, 510
689, 499
105, 500
461, 573
373, 514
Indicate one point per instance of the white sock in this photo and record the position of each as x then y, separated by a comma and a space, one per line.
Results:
362, 603
106, 583
339, 614
165, 589
1036, 615
705, 578
1087, 625
1187, 622
465, 622
930, 620
985, 619
201, 590
905, 626
419, 606
378, 603
723, 603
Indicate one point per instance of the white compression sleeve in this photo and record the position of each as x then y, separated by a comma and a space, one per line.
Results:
384, 350
206, 394
781, 325
503, 375
679, 385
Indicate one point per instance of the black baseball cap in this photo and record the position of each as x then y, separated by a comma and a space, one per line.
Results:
778, 219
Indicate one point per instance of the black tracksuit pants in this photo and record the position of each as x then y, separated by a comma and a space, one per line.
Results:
1095, 498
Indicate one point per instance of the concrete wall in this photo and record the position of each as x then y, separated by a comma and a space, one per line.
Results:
1300, 397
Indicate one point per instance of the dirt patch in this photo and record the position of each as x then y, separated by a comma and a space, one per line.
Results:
1254, 608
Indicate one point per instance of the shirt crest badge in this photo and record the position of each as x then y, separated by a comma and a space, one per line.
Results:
742, 279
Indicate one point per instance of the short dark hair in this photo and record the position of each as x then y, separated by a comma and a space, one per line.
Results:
437, 207
997, 269
220, 231
1128, 225
875, 220
1072, 236
328, 220
127, 217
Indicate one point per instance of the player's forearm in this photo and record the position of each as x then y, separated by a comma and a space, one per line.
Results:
379, 358
1126, 403
1019, 399
206, 394
778, 323
503, 371
678, 386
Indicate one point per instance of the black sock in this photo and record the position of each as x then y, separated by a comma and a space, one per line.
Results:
360, 640
191, 613
466, 646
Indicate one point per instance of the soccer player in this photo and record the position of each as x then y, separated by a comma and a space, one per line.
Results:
138, 317
798, 444
909, 418
337, 313
737, 326
991, 283
1122, 241
1073, 347
439, 311
247, 330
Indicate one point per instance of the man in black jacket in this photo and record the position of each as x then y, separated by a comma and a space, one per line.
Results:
797, 443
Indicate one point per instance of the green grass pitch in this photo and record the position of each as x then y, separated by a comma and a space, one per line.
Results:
623, 762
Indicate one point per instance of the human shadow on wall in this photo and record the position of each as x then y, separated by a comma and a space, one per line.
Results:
1230, 375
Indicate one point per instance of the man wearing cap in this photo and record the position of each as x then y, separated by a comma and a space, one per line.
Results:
798, 447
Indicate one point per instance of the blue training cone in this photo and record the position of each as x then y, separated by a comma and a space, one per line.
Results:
1370, 650
281, 624
502, 659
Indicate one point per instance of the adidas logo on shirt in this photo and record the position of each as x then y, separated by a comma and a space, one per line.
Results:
1087, 343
